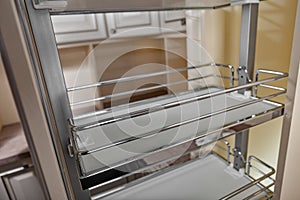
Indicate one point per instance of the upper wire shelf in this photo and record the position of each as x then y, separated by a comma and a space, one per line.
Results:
240, 113
102, 6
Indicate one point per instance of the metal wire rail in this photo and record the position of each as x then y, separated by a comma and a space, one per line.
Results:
228, 129
145, 111
254, 181
123, 141
224, 146
153, 74
159, 130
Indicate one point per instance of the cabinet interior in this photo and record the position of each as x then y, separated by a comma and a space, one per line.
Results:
146, 47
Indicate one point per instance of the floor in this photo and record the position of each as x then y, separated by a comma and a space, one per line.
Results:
13, 145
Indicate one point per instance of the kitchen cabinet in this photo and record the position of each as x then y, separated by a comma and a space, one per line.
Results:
93, 162
3, 192
78, 28
130, 24
173, 21
20, 184
89, 27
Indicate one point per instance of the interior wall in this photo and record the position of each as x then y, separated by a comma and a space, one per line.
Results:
274, 42
273, 51
76, 73
8, 110
176, 57
289, 156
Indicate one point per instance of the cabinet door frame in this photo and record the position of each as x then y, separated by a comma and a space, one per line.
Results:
149, 28
173, 24
95, 31
12, 191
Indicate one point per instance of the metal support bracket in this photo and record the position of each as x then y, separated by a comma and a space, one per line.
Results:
243, 77
240, 157
245, 72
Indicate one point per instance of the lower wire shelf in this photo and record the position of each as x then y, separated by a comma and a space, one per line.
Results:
208, 178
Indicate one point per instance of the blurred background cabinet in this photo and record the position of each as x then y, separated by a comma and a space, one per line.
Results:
78, 28
129, 24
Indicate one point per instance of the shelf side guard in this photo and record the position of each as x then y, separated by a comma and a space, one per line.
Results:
170, 105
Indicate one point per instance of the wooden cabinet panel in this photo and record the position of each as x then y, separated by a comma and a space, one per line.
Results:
130, 24
22, 185
173, 21
78, 28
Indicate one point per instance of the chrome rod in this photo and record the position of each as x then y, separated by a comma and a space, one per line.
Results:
267, 86
139, 90
169, 105
225, 142
231, 78
151, 133
272, 87
252, 167
136, 77
142, 76
265, 71
265, 188
231, 72
254, 182
260, 161
182, 142
260, 171
247, 186
227, 77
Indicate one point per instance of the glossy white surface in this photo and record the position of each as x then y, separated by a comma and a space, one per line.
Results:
209, 178
100, 136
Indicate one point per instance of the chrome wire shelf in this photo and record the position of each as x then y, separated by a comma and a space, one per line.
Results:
104, 6
150, 75
256, 179
240, 113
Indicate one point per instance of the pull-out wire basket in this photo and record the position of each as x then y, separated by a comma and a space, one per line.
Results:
201, 176
109, 145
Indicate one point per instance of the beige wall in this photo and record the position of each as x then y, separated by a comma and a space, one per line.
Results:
8, 111
291, 174
274, 43
77, 73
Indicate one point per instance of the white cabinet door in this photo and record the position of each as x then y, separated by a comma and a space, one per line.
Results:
78, 28
23, 185
128, 24
3, 192
172, 21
